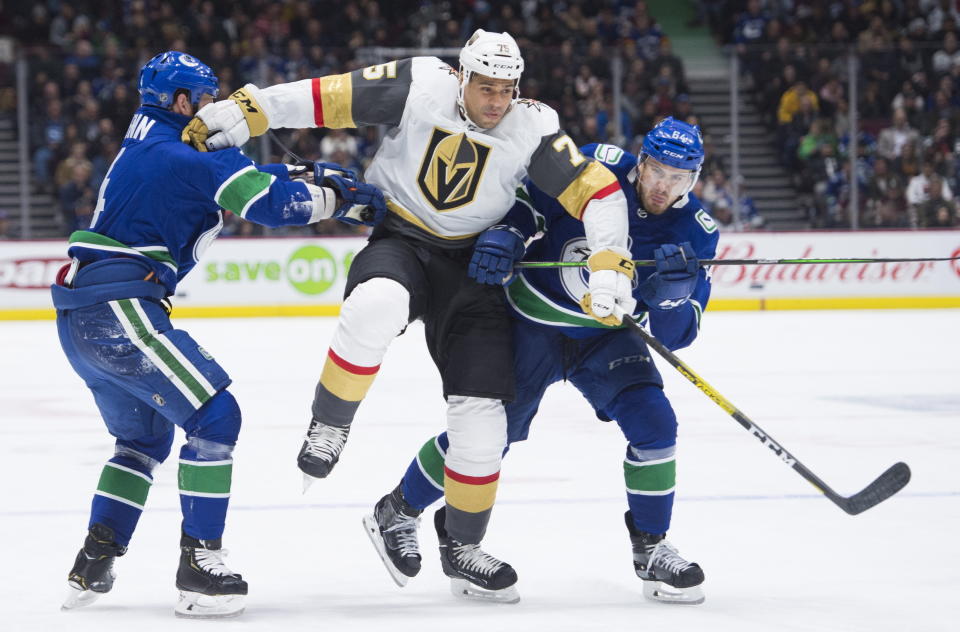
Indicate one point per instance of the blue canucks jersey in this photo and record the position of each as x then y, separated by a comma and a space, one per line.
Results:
550, 296
161, 200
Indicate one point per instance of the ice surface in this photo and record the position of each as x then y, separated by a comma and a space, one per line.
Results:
848, 393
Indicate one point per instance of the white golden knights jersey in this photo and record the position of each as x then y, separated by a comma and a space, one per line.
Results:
445, 180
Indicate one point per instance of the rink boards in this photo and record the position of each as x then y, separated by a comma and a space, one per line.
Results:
306, 276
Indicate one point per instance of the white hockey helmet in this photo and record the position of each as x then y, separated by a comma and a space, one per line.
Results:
493, 55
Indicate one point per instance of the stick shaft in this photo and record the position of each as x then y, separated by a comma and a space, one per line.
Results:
742, 262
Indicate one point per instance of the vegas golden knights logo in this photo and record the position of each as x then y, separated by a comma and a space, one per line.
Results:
451, 169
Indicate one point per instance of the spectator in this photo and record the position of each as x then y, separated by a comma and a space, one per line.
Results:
938, 216
748, 32
925, 185
338, 143
747, 215
52, 130
830, 94
940, 14
790, 102
667, 58
947, 57
716, 192
894, 138
77, 199
885, 205
65, 170
910, 102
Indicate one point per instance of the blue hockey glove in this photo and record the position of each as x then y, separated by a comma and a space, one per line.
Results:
496, 250
360, 203
675, 279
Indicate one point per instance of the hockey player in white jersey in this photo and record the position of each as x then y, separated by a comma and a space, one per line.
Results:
608, 363
458, 146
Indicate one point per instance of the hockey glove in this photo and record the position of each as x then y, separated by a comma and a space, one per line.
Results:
610, 283
357, 202
496, 250
227, 123
675, 279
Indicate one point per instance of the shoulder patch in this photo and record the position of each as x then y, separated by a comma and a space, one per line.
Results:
531, 103
609, 154
703, 218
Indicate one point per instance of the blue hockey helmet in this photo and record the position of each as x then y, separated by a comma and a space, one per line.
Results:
168, 72
674, 143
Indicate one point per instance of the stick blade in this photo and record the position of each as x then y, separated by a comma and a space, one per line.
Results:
886, 485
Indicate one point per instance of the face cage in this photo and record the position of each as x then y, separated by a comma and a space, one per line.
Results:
461, 105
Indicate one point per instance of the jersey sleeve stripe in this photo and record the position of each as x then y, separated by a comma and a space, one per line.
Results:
243, 189
226, 183
595, 181
317, 102
336, 101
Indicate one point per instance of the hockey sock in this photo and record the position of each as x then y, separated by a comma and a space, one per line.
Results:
477, 432
650, 477
204, 477
371, 317
121, 495
206, 466
342, 387
423, 480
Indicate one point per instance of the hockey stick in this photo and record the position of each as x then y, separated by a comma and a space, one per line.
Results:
735, 262
885, 486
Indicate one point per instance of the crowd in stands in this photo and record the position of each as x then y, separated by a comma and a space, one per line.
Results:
795, 57
84, 57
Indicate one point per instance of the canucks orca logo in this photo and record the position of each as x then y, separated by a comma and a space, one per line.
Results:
574, 279
451, 169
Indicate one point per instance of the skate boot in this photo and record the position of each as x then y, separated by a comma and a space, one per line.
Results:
392, 528
321, 450
474, 574
208, 589
667, 577
92, 573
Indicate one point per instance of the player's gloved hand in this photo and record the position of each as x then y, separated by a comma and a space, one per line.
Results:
227, 123
675, 279
357, 202
610, 283
497, 249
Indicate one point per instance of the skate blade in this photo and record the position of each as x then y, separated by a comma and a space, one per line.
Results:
307, 482
471, 592
78, 598
664, 593
194, 605
373, 532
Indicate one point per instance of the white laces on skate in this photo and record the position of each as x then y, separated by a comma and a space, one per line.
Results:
211, 561
665, 556
405, 535
474, 559
326, 441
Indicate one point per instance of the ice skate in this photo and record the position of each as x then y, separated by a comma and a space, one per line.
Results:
667, 577
208, 589
321, 450
392, 528
92, 573
474, 574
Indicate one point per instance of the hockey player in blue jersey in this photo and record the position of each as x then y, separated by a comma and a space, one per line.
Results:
159, 208
554, 340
